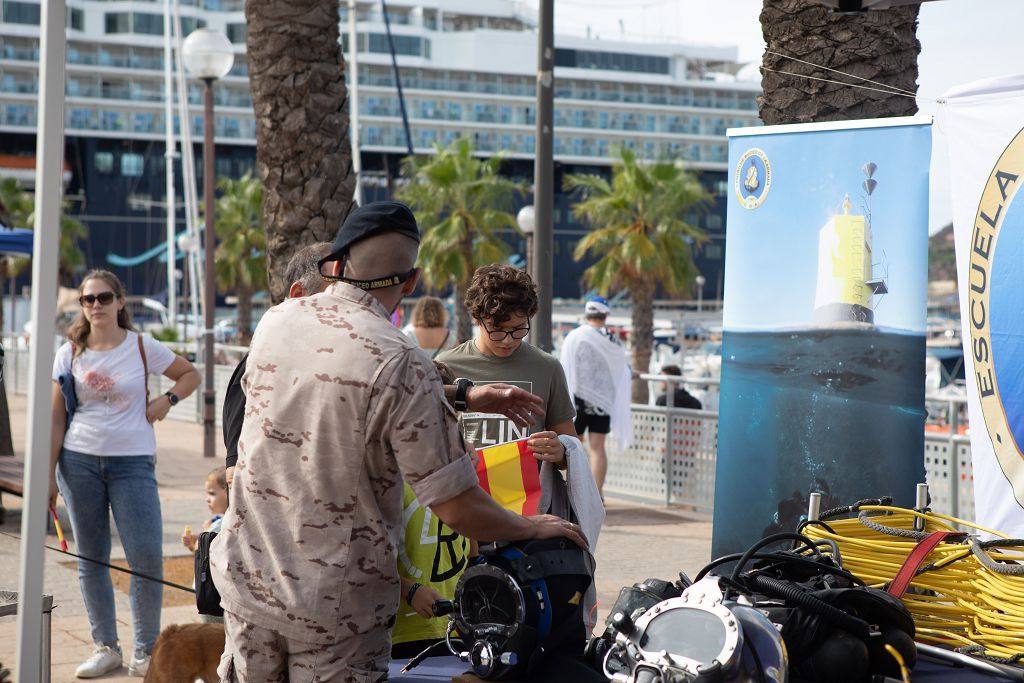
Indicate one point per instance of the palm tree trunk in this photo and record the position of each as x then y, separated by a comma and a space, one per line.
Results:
244, 314
642, 338
303, 156
463, 321
880, 45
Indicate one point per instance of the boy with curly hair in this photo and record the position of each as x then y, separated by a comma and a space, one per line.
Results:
502, 300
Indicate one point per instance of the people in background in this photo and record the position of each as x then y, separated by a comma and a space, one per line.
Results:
598, 375
429, 326
681, 398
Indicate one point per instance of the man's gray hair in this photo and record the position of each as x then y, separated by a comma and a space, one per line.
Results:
304, 267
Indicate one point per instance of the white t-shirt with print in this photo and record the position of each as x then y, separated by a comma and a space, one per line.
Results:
111, 415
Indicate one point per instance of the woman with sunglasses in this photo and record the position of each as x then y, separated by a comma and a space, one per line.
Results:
103, 461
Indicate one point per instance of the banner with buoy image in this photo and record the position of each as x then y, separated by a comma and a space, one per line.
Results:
824, 321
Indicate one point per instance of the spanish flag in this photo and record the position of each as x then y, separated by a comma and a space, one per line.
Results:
510, 474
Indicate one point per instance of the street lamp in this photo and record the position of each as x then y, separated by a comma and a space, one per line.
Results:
700, 292
208, 55
526, 219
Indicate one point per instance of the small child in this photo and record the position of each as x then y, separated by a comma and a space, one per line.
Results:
216, 500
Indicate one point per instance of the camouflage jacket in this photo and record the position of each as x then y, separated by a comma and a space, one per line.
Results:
340, 407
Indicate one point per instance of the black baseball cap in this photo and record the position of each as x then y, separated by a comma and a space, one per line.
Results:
368, 220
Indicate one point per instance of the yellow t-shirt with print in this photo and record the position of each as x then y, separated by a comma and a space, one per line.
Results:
430, 553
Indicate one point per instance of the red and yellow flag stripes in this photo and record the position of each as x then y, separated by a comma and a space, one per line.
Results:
509, 473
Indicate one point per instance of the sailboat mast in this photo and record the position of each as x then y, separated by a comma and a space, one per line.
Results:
169, 154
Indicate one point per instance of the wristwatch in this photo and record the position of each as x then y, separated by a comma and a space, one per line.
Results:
462, 386
172, 397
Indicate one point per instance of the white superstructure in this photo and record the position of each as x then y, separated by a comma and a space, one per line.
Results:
467, 68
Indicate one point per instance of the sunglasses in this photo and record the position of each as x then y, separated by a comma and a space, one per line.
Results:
105, 299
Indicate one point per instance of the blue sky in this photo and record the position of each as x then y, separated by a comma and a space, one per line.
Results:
771, 271
961, 41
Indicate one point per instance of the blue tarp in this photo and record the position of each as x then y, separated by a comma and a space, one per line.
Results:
15, 240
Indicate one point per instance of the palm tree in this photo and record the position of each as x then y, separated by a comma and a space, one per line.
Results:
241, 261
17, 211
640, 239
461, 203
303, 156
880, 45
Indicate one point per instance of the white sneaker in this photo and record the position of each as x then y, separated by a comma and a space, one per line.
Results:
103, 659
138, 666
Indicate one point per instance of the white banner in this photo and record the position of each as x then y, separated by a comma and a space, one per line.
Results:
984, 124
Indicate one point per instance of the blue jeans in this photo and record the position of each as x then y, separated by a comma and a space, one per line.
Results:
92, 487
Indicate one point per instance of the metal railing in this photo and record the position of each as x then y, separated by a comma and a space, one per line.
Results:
672, 458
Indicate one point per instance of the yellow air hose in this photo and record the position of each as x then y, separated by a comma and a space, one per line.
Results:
967, 595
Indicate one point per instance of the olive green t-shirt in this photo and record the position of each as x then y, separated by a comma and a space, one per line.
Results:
528, 368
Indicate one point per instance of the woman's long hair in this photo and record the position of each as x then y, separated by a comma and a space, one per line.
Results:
79, 329
429, 312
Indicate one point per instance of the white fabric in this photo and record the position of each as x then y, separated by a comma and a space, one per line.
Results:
574, 497
597, 372
981, 121
111, 415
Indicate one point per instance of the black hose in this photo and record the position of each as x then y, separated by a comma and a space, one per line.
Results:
792, 593
779, 557
768, 540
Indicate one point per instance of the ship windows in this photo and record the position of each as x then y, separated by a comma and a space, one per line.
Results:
131, 164
21, 12
103, 162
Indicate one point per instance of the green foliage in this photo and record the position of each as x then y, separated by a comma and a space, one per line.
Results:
640, 235
166, 334
241, 256
17, 210
461, 203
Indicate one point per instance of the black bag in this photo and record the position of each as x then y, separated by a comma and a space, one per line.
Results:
207, 597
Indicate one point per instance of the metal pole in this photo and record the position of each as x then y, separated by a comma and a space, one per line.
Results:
670, 402
398, 79
543, 174
209, 291
49, 187
169, 149
353, 102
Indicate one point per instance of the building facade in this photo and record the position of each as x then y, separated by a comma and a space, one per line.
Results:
468, 69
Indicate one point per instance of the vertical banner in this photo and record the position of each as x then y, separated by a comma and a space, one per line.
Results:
983, 123
824, 322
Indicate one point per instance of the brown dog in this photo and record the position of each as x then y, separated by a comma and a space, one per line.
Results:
187, 652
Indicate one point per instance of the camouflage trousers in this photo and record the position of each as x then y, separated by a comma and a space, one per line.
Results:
253, 654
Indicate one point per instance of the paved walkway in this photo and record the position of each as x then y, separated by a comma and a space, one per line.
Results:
637, 542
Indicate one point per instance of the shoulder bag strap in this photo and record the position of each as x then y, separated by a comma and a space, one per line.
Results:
145, 365
440, 348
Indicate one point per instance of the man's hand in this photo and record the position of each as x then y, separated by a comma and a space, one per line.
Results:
552, 526
53, 491
423, 601
547, 446
229, 475
514, 403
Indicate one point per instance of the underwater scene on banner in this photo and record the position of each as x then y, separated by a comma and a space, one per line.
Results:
824, 326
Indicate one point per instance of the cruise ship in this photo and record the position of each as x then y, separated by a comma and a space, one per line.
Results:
468, 69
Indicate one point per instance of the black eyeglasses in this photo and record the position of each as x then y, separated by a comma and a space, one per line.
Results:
499, 335
105, 299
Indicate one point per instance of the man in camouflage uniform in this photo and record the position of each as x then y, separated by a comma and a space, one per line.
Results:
341, 406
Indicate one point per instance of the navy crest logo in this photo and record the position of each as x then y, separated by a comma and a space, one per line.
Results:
753, 178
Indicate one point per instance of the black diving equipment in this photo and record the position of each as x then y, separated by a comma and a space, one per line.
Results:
519, 601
